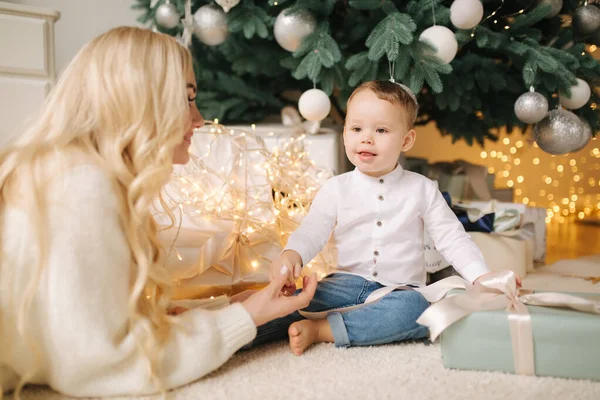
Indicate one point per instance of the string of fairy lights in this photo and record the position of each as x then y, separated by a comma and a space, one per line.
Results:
263, 194
567, 186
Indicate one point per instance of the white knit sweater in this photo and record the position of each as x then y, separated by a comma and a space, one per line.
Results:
78, 319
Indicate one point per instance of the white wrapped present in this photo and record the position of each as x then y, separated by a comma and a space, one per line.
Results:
533, 220
225, 232
509, 250
462, 180
234, 205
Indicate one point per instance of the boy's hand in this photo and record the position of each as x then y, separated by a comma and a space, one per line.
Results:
518, 279
291, 260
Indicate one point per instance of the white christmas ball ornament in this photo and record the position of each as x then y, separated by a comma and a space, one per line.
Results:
211, 25
314, 105
443, 40
466, 14
580, 95
289, 30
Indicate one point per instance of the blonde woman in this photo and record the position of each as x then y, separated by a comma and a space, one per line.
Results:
84, 297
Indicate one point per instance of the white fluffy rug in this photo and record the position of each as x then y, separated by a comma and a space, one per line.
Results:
404, 371
401, 371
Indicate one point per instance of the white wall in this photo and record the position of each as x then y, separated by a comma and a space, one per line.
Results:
82, 20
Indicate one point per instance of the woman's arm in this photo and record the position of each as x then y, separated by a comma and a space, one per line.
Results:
82, 308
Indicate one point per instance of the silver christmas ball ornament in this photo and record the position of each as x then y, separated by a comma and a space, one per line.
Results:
555, 7
167, 15
586, 19
559, 132
290, 30
211, 25
586, 136
531, 107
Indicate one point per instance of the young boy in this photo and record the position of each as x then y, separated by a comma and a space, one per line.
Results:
376, 215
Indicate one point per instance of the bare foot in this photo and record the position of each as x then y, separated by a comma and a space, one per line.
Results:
302, 334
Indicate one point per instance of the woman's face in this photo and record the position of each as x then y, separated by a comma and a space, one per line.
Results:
181, 153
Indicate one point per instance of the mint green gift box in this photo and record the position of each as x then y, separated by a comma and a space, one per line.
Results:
566, 342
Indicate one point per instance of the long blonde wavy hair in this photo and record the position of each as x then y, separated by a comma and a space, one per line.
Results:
123, 103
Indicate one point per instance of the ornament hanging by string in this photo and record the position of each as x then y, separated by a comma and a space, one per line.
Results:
227, 5
290, 30
167, 15
580, 95
314, 105
531, 107
555, 7
466, 14
586, 19
211, 25
442, 39
188, 25
586, 135
560, 132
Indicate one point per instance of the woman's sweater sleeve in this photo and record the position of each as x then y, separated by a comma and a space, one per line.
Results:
82, 311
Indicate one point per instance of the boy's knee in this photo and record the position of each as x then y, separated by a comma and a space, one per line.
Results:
417, 300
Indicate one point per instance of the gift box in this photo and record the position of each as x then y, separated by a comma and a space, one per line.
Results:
414, 164
323, 143
501, 251
225, 233
495, 234
533, 221
234, 205
506, 195
463, 180
565, 343
494, 326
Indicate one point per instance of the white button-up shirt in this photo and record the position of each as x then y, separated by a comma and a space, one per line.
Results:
377, 225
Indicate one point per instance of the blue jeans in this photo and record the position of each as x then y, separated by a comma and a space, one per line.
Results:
391, 319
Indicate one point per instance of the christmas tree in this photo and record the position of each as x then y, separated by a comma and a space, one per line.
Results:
468, 61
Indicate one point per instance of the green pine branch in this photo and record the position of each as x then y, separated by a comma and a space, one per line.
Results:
248, 77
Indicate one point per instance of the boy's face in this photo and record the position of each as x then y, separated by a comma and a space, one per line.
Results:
375, 133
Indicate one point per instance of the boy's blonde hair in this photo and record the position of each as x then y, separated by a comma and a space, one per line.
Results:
122, 104
395, 94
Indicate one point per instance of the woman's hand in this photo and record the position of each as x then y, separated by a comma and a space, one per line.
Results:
271, 303
242, 296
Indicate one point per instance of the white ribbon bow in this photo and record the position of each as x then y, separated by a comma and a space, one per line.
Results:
496, 291
291, 118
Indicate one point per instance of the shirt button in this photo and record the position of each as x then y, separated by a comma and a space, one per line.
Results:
381, 181
380, 198
375, 253
374, 273
379, 223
